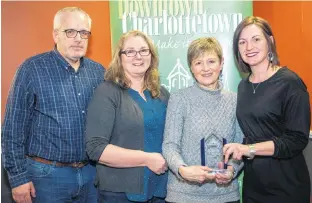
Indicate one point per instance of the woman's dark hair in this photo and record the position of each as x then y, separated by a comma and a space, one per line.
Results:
267, 32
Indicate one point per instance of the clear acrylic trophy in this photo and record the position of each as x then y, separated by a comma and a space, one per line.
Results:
215, 161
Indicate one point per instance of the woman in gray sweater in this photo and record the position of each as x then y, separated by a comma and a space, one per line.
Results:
198, 119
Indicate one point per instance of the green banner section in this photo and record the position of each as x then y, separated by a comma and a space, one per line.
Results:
173, 24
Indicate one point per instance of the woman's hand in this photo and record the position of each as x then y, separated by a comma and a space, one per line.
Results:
224, 178
197, 174
236, 150
156, 163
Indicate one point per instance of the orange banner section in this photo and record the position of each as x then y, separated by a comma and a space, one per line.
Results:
27, 30
291, 24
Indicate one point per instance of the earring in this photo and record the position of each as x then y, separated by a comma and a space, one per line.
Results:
220, 75
270, 57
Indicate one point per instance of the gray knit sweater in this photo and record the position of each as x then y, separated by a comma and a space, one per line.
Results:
192, 114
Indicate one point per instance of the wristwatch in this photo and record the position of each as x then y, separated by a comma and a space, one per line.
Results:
252, 151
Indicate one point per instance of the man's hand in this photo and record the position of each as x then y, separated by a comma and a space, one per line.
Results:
23, 193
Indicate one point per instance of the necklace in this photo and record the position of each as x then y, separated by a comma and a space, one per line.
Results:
254, 89
275, 69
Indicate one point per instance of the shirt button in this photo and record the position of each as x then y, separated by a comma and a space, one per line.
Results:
83, 111
79, 94
76, 76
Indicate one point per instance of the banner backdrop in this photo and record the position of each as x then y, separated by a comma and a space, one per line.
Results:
173, 24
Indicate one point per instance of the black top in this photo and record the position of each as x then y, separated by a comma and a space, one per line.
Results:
278, 111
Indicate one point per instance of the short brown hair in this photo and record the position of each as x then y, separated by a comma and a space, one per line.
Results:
116, 74
203, 45
267, 32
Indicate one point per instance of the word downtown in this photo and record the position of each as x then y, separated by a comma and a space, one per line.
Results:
183, 24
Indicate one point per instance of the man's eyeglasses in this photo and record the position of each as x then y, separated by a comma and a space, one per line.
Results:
133, 53
71, 33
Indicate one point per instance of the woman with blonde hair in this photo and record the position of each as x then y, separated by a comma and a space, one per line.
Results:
125, 125
199, 119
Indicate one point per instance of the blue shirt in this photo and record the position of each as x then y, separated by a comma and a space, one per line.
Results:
154, 113
45, 112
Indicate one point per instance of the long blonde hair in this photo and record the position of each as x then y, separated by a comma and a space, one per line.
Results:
116, 74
